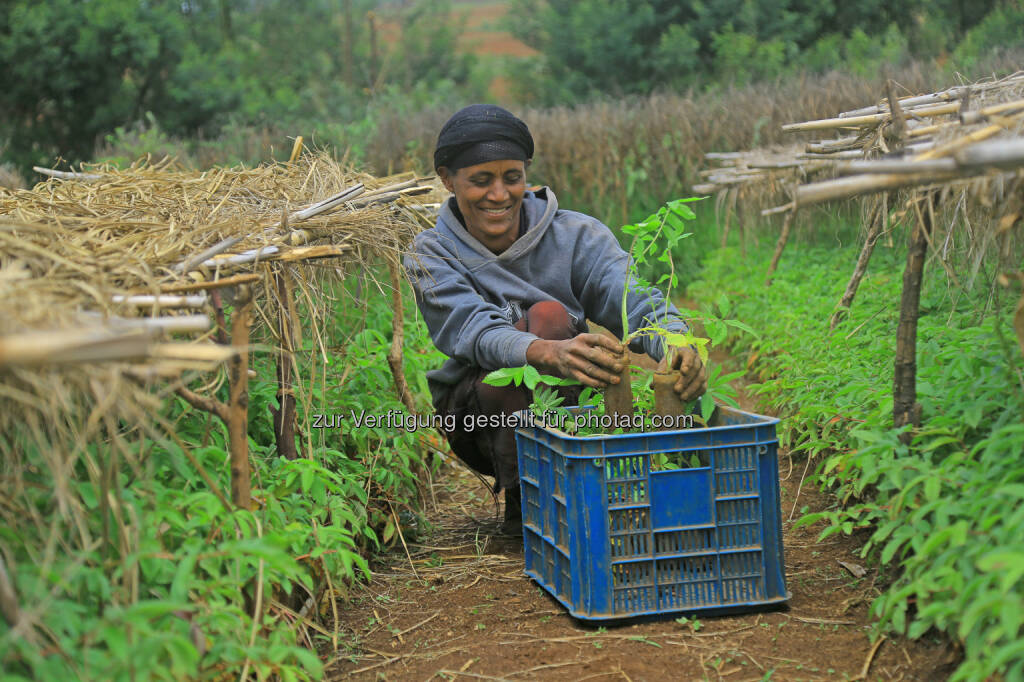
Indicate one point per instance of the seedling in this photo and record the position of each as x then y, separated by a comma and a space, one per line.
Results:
692, 623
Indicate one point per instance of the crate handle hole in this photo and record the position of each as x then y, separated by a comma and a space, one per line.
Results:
762, 449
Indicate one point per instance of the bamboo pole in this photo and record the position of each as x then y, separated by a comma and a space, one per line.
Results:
787, 223
844, 188
74, 346
906, 409
66, 175
196, 260
999, 154
238, 403
214, 284
874, 230
896, 166
853, 121
164, 301
284, 414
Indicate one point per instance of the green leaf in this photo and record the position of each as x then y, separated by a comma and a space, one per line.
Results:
724, 306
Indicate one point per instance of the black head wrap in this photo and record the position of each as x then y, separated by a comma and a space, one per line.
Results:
480, 133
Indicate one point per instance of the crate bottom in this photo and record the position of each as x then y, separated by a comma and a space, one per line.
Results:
710, 609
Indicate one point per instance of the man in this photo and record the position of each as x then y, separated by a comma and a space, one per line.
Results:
506, 279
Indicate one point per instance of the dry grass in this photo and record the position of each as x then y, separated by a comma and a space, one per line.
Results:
614, 157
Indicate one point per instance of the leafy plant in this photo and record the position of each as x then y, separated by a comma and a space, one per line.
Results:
942, 512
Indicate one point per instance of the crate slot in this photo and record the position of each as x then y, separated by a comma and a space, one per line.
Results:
731, 483
737, 457
561, 527
630, 545
632, 491
740, 564
634, 600
632, 574
739, 535
684, 541
688, 569
629, 520
678, 596
742, 590
627, 467
737, 510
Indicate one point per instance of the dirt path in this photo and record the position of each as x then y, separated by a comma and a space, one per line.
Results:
462, 609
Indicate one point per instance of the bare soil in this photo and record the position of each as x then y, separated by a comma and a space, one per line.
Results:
458, 607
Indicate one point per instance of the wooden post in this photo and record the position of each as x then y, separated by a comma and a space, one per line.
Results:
906, 409
238, 403
874, 230
284, 414
730, 204
395, 358
780, 245
897, 118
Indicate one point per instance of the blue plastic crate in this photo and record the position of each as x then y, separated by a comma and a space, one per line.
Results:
609, 538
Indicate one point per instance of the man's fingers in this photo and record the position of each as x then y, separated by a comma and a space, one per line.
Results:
690, 387
587, 379
594, 372
601, 351
600, 340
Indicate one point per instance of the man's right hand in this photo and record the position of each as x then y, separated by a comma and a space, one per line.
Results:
594, 360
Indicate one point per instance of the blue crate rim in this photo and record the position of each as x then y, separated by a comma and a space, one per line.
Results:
758, 420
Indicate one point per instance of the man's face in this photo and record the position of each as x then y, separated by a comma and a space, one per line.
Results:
490, 196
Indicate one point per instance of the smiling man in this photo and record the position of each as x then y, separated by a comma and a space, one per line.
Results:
506, 279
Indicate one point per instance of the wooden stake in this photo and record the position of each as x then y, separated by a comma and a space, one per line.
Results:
8, 598
874, 230
906, 409
779, 246
284, 414
897, 114
395, 358
730, 204
238, 403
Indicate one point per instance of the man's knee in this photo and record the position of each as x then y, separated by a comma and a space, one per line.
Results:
549, 320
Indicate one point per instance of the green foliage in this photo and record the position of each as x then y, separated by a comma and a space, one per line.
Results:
655, 238
943, 514
636, 47
173, 595
76, 71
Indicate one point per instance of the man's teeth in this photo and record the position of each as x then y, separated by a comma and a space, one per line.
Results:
495, 211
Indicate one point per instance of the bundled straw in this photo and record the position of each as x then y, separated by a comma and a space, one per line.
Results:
942, 137
119, 243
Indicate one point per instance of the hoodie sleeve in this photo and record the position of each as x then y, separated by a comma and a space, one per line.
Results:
599, 272
462, 324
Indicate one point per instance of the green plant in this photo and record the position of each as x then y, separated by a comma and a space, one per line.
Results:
941, 512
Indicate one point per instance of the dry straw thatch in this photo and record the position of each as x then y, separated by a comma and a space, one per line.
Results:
122, 253
117, 288
924, 139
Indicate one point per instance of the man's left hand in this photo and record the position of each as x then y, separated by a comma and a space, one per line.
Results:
693, 376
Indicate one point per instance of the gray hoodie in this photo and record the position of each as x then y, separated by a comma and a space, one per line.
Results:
470, 297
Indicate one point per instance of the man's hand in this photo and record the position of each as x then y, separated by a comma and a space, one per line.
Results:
693, 376
591, 359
